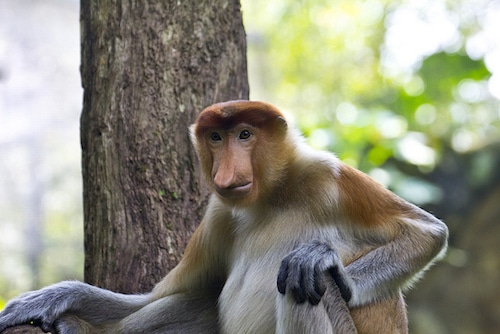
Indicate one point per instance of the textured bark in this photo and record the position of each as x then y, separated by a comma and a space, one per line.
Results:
24, 329
148, 68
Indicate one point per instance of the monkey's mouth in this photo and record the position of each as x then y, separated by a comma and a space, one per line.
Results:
235, 191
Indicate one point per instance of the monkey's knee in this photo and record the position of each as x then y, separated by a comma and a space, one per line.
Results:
385, 316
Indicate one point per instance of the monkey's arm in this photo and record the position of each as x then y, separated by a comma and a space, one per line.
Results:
45, 306
203, 266
78, 305
409, 239
404, 240
381, 273
396, 265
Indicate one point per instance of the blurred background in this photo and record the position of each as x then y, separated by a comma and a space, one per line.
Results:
407, 91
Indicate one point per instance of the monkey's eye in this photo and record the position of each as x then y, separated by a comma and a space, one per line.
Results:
245, 134
215, 136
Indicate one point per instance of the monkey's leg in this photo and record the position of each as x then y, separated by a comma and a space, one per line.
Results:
385, 316
179, 313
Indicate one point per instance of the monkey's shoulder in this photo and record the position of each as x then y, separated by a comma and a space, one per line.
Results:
312, 177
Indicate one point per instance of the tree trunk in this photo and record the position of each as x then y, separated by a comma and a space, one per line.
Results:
148, 68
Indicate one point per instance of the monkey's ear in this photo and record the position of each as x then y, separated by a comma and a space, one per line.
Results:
192, 135
282, 123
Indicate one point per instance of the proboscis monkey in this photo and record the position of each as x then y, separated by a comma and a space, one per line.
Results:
293, 241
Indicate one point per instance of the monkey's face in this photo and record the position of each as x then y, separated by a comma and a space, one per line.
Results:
240, 145
232, 171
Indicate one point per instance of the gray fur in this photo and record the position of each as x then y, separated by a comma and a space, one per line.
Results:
87, 302
73, 307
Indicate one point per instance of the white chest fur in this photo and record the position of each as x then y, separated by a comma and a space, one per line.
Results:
250, 291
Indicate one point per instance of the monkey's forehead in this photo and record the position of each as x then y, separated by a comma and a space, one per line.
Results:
227, 115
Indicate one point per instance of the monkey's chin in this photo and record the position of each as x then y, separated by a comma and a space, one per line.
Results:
234, 192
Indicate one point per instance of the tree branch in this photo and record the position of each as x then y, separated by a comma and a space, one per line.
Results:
23, 329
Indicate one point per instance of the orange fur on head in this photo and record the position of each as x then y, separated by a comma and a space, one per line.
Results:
227, 115
268, 154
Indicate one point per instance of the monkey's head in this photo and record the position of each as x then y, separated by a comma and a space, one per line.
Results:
242, 147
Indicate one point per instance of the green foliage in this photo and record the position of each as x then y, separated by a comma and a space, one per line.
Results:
330, 65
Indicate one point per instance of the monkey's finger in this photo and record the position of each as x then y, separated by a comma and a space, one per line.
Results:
283, 275
307, 281
341, 281
297, 283
319, 288
294, 279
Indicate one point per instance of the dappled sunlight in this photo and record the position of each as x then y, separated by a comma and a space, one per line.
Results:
375, 70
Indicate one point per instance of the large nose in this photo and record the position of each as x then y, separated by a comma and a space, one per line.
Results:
225, 175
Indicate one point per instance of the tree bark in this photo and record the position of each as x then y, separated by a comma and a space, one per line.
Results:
148, 68
23, 329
